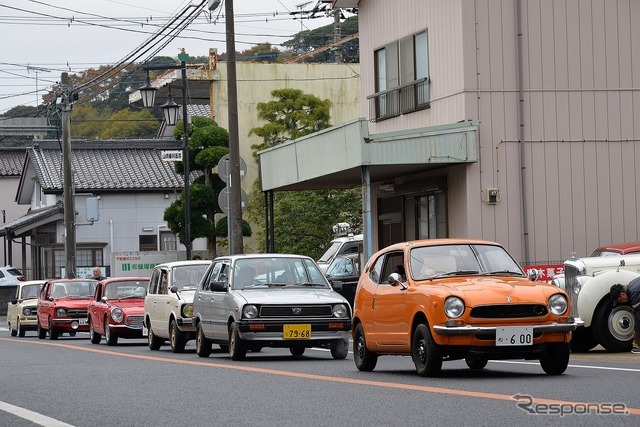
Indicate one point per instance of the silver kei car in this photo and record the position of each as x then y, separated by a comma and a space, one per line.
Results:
247, 302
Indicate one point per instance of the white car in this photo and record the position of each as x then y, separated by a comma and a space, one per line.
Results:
168, 306
10, 276
341, 246
22, 309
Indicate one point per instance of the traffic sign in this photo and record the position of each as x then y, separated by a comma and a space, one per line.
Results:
224, 169
223, 200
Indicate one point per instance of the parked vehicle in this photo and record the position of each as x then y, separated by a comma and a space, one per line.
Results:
22, 309
448, 299
587, 282
10, 276
343, 274
247, 302
617, 249
340, 246
168, 306
63, 307
117, 309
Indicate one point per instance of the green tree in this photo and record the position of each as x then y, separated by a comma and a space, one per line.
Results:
129, 124
303, 220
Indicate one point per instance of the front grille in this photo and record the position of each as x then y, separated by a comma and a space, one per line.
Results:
77, 313
571, 273
295, 311
134, 322
509, 311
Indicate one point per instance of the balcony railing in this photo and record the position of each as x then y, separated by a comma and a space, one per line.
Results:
403, 99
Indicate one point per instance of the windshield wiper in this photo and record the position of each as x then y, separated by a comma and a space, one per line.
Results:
131, 296
458, 273
503, 272
308, 285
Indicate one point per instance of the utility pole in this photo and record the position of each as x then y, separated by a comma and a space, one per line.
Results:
64, 103
235, 197
337, 35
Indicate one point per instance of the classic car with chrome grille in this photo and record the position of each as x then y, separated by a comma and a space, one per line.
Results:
117, 309
63, 307
448, 299
22, 309
247, 302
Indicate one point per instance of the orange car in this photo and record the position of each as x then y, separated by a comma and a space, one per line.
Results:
448, 299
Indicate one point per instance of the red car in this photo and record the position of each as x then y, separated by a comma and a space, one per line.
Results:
616, 249
62, 306
117, 309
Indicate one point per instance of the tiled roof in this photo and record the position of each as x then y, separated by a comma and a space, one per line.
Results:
11, 160
32, 217
107, 165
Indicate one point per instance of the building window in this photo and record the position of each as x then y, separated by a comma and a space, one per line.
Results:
148, 242
402, 78
168, 241
54, 260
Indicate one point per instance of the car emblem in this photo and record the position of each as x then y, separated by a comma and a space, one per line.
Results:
296, 310
508, 299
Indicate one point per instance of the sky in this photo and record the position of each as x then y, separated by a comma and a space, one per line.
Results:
45, 38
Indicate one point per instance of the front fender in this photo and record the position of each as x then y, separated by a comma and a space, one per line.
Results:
597, 288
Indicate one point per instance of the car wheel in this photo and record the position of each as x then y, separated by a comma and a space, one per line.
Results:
613, 327
556, 358
237, 347
13, 332
110, 337
42, 333
53, 332
365, 360
339, 349
93, 335
476, 362
154, 341
203, 344
425, 352
19, 328
178, 339
297, 351
582, 340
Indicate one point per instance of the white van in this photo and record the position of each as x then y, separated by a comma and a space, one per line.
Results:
340, 246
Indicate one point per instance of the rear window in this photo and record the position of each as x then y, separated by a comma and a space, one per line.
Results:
14, 272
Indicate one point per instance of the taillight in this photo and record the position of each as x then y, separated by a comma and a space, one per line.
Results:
22, 278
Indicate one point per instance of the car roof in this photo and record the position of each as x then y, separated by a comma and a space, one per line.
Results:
354, 238
32, 282
258, 256
71, 280
126, 279
620, 247
173, 264
438, 242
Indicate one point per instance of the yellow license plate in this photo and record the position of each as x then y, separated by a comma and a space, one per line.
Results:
296, 332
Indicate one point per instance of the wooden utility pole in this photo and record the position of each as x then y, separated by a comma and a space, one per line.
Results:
64, 104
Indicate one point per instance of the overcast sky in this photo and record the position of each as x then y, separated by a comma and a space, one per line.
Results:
44, 38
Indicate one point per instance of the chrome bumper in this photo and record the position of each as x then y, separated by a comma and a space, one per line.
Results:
478, 330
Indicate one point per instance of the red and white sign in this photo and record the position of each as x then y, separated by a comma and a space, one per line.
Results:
545, 272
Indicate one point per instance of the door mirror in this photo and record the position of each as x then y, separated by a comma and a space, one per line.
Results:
174, 289
218, 286
14, 301
336, 285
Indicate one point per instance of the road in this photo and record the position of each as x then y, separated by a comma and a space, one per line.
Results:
75, 382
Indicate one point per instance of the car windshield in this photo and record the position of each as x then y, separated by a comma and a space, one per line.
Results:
125, 289
277, 272
30, 291
342, 266
330, 252
428, 262
187, 277
77, 289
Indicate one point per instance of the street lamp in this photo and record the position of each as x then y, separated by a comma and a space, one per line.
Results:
170, 110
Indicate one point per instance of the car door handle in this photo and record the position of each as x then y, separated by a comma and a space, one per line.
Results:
213, 298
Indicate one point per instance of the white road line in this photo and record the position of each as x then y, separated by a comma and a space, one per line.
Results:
34, 417
570, 366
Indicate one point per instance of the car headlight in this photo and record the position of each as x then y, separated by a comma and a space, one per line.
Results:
117, 315
250, 311
340, 310
26, 311
187, 310
61, 312
453, 307
558, 304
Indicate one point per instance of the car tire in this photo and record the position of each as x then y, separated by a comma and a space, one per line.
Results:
19, 329
613, 327
425, 353
556, 358
110, 337
297, 351
203, 344
13, 331
178, 339
53, 332
339, 349
93, 335
476, 362
365, 360
237, 347
42, 333
154, 341
582, 340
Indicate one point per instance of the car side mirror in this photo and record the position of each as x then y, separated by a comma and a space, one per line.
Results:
14, 301
396, 280
218, 286
533, 275
174, 289
336, 285
104, 299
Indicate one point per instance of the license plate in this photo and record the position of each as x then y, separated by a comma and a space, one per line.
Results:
82, 322
514, 335
296, 332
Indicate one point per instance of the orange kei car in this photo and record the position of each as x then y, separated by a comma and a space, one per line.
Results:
448, 299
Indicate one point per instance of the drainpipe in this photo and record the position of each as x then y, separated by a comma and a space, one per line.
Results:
366, 212
523, 187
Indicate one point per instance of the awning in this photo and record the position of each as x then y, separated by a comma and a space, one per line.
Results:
33, 219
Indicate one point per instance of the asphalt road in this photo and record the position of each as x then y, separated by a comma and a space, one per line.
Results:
75, 382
